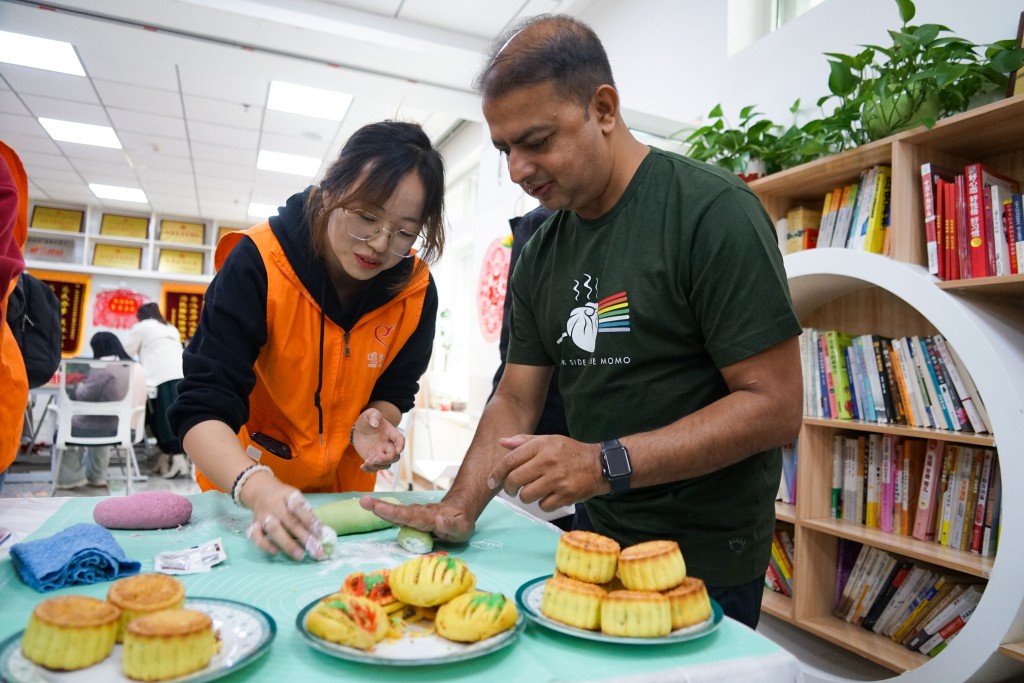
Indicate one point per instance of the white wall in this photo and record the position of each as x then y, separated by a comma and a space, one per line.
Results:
670, 64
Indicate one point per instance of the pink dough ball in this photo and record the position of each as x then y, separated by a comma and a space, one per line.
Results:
146, 510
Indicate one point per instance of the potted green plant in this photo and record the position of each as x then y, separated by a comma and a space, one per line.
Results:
925, 75
755, 146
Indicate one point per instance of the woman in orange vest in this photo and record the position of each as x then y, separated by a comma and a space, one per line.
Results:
313, 336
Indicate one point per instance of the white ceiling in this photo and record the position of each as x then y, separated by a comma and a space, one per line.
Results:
184, 84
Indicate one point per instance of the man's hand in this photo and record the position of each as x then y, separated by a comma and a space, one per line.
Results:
377, 441
554, 470
445, 521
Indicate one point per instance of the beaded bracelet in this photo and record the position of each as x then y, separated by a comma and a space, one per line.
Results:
243, 477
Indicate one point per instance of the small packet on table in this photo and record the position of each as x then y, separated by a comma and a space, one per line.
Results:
195, 560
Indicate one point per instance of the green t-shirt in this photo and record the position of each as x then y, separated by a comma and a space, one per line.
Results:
639, 309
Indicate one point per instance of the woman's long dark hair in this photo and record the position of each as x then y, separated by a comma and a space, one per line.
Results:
369, 168
107, 344
150, 311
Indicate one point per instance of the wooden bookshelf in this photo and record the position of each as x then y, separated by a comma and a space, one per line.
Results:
893, 295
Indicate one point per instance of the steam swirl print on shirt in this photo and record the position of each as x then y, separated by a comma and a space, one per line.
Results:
610, 314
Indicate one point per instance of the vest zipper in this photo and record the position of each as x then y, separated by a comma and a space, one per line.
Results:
346, 345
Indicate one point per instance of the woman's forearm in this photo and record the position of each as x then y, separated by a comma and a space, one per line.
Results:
217, 452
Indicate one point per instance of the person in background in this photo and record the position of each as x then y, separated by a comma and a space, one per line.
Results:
79, 466
157, 344
657, 290
313, 336
13, 232
552, 415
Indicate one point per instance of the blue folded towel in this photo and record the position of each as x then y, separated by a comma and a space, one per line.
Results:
81, 554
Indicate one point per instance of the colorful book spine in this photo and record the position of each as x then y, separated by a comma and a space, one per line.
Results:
978, 527
930, 473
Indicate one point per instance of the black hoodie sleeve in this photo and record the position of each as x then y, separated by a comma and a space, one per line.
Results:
218, 362
399, 383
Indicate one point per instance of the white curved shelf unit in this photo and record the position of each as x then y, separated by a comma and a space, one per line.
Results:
989, 337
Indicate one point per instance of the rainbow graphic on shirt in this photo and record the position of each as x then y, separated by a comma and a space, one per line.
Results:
613, 313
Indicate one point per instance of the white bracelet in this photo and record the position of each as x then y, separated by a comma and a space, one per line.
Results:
236, 490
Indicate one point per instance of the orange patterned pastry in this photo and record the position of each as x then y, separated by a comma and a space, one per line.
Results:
475, 616
652, 566
167, 644
586, 556
348, 620
689, 602
70, 632
145, 593
375, 586
430, 580
636, 614
572, 602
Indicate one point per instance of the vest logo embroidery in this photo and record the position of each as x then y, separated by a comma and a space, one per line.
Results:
375, 359
610, 314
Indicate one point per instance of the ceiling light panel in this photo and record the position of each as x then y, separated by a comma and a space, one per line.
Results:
287, 163
39, 53
262, 211
302, 99
124, 194
82, 133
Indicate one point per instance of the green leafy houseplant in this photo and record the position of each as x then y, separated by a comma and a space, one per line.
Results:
925, 75
754, 139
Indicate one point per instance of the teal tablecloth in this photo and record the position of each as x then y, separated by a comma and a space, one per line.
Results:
508, 549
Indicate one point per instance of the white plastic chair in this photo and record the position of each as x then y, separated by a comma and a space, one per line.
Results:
130, 420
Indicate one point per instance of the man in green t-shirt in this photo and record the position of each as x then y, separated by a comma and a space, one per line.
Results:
657, 290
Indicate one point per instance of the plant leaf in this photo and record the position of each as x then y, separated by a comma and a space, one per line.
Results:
907, 10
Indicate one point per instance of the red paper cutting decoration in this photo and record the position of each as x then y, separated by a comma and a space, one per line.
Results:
490, 295
116, 309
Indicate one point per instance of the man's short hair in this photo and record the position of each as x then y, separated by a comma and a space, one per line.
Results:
547, 47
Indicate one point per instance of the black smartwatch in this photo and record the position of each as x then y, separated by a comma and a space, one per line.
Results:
615, 465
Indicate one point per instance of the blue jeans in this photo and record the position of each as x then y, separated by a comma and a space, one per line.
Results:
76, 464
3, 475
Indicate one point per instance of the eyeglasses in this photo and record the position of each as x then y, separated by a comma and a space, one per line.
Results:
366, 227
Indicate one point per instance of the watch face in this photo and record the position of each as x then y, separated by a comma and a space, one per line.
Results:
616, 462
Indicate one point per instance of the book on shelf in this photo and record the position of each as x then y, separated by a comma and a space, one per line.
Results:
899, 482
773, 581
912, 452
1011, 235
874, 581
896, 577
873, 468
952, 409
970, 599
802, 226
981, 503
931, 174
943, 598
1017, 201
926, 377
993, 512
971, 417
857, 400
863, 344
966, 601
878, 217
931, 472
844, 217
783, 569
918, 579
994, 197
847, 552
862, 209
849, 584
789, 468
947, 493
884, 373
905, 387
931, 597
829, 405
838, 476
829, 218
981, 248
960, 490
971, 390
887, 486
973, 491
835, 343
963, 237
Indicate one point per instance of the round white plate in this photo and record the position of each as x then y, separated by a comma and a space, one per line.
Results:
415, 648
245, 633
528, 599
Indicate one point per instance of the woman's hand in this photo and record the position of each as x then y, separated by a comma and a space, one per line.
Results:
282, 518
378, 442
